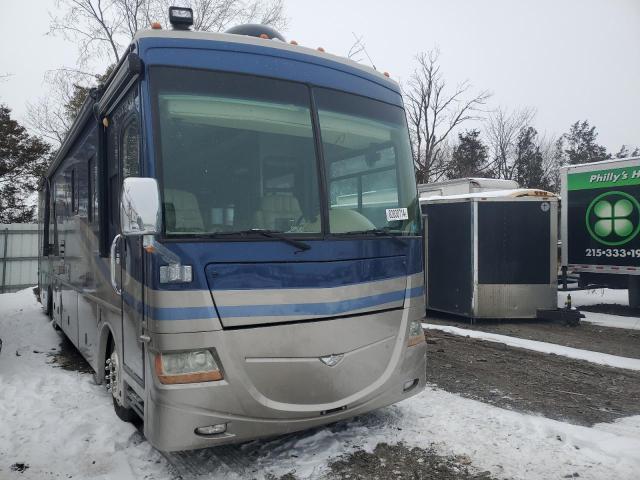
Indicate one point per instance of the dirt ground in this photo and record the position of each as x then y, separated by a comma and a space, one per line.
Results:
615, 341
550, 385
401, 462
68, 357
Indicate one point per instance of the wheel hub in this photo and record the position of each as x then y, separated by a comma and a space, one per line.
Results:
113, 378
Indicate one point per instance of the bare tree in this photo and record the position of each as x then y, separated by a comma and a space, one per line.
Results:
102, 29
434, 112
51, 115
502, 130
547, 145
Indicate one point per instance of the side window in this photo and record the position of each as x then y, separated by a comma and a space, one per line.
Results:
45, 205
66, 196
113, 180
122, 159
92, 184
82, 190
52, 214
74, 191
130, 149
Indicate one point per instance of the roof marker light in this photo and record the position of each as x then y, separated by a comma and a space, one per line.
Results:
386, 74
293, 42
320, 49
265, 36
156, 26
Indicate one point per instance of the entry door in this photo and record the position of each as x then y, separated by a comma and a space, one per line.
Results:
124, 160
132, 263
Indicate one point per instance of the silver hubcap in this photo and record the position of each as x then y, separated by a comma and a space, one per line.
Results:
113, 380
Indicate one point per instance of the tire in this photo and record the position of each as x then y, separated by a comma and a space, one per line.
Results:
115, 383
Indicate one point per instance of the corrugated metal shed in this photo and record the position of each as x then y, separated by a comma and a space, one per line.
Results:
18, 256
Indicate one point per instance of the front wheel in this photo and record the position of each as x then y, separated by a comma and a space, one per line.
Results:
115, 384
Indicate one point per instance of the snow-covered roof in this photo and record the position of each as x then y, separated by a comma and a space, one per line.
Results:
514, 193
480, 181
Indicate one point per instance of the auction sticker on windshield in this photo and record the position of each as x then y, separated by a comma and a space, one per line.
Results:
397, 214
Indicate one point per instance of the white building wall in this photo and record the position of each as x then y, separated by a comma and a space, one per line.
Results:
19, 258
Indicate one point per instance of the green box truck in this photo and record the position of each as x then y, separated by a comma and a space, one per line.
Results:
600, 224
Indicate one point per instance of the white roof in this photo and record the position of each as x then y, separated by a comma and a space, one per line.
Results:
587, 166
514, 193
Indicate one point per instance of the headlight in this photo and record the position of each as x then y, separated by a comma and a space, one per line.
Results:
416, 333
187, 367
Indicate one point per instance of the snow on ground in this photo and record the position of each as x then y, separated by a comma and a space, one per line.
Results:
56, 421
61, 425
594, 296
543, 347
613, 321
597, 296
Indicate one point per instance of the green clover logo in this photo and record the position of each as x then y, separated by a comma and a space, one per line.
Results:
613, 218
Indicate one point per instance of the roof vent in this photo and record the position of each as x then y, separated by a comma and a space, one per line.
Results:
256, 30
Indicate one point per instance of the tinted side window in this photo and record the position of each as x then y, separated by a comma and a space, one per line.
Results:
131, 149
122, 156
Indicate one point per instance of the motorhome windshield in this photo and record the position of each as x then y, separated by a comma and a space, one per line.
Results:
238, 153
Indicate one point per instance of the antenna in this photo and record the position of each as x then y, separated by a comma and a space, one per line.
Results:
363, 48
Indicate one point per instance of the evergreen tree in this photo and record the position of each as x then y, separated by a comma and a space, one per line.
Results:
469, 156
581, 146
23, 159
529, 163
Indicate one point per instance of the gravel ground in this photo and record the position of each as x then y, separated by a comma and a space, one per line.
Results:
550, 385
614, 341
401, 462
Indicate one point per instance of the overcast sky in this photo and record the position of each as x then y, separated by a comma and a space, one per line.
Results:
569, 59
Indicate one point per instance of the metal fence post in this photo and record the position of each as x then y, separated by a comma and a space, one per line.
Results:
4, 259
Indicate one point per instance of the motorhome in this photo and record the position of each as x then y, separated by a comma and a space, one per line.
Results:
231, 236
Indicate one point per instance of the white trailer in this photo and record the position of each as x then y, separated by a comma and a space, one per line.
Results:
461, 186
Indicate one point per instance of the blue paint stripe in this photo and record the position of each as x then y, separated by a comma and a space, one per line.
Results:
327, 309
414, 292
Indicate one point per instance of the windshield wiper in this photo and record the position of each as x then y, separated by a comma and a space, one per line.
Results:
380, 232
276, 234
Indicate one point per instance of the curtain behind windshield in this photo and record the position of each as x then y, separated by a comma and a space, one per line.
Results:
237, 153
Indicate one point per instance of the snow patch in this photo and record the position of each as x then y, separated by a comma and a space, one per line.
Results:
594, 296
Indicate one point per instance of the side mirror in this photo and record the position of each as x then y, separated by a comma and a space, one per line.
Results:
140, 207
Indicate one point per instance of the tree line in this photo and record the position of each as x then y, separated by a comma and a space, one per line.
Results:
500, 143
